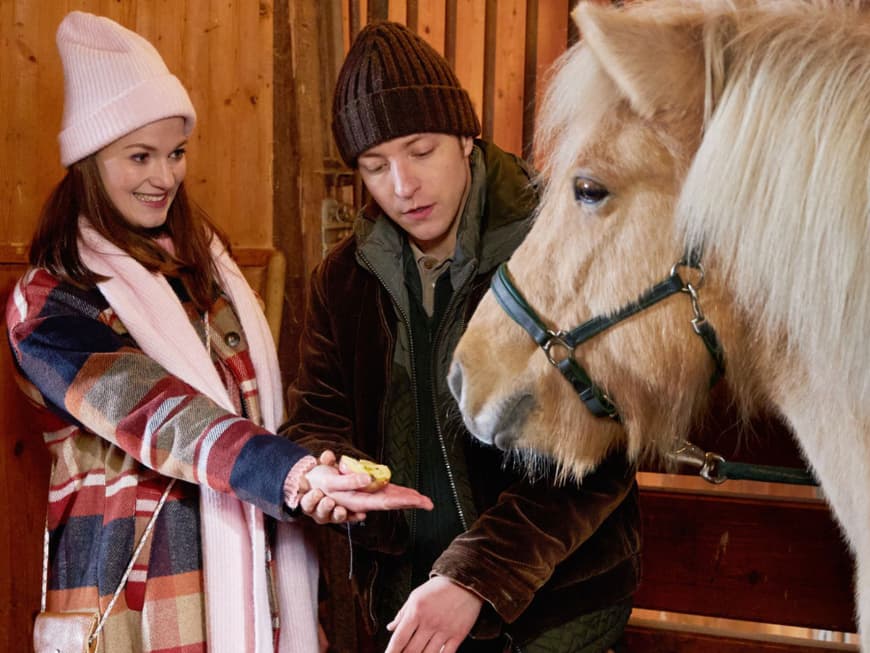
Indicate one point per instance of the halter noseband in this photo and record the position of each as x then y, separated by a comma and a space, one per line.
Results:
515, 305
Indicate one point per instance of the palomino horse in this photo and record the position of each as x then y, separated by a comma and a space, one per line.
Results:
737, 133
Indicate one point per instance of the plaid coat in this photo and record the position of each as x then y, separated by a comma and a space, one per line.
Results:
117, 425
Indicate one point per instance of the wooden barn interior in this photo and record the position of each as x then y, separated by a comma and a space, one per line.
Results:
743, 566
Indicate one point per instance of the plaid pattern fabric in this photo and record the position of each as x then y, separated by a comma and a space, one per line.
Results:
117, 424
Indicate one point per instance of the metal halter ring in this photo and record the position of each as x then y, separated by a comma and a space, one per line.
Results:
557, 338
697, 267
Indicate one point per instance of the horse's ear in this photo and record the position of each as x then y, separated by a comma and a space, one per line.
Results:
657, 62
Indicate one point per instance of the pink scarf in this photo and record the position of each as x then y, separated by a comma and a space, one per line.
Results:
233, 540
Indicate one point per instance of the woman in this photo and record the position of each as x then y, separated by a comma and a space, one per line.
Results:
139, 337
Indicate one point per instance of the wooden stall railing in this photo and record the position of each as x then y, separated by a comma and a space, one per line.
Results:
742, 566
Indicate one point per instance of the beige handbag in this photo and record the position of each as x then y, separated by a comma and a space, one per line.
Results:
79, 632
66, 632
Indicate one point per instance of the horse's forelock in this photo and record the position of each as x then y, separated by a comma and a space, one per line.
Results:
578, 95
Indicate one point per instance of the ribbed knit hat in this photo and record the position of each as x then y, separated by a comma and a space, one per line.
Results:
114, 83
392, 84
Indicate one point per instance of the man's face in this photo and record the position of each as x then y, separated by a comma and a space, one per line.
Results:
419, 182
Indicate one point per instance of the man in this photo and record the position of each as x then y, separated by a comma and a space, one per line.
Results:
501, 561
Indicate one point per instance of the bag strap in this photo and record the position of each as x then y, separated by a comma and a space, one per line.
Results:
148, 528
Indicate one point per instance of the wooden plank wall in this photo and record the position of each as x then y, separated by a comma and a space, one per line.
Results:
221, 51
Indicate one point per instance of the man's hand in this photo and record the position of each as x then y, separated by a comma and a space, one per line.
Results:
436, 618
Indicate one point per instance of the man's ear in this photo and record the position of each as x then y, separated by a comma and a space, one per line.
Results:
467, 144
656, 60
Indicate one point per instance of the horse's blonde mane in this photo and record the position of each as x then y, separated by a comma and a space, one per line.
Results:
780, 188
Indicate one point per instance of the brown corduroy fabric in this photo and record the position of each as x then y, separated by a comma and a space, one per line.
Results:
393, 84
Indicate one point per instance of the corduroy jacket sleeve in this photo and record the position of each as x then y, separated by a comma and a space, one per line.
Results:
328, 407
95, 376
514, 547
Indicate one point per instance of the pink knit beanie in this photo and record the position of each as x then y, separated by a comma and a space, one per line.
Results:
114, 83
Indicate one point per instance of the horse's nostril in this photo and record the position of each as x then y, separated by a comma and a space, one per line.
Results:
515, 416
454, 380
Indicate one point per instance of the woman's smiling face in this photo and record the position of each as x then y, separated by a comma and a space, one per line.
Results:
141, 172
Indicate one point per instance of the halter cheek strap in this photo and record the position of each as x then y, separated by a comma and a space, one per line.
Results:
559, 345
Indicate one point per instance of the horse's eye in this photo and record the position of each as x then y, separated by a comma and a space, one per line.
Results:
589, 191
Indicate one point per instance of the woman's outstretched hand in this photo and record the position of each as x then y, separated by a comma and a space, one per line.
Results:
334, 497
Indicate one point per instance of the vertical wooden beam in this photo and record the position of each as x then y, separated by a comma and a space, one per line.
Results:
507, 108
398, 11
450, 32
489, 53
378, 10
345, 23
530, 77
196, 48
219, 96
331, 50
412, 15
430, 23
286, 211
470, 49
252, 115
303, 119
355, 18
552, 35
331, 44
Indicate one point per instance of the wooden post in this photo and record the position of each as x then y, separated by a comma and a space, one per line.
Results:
530, 76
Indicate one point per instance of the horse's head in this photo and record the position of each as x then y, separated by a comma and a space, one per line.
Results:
620, 123
738, 126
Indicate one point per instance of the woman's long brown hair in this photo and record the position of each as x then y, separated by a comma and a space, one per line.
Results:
81, 192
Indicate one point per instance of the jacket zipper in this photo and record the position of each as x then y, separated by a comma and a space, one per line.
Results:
438, 431
407, 322
515, 648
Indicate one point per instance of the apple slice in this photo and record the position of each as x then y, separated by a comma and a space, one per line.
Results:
380, 473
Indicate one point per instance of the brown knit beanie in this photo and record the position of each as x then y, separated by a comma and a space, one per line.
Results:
393, 84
